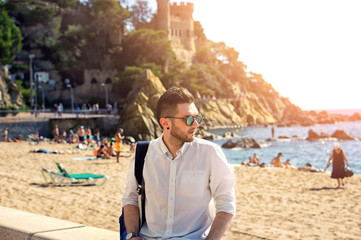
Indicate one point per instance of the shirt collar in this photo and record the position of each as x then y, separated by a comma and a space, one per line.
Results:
166, 152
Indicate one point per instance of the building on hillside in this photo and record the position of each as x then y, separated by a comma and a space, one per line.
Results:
177, 20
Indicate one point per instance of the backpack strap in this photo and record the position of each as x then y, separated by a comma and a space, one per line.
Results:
140, 152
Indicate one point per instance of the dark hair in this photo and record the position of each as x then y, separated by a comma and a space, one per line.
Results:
167, 103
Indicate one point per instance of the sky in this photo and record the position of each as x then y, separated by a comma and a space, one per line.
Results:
309, 50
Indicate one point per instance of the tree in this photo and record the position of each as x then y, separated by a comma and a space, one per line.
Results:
141, 14
146, 46
104, 31
10, 37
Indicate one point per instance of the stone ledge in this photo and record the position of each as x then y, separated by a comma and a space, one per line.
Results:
16, 225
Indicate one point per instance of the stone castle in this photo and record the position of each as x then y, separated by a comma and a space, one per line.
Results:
177, 21
174, 18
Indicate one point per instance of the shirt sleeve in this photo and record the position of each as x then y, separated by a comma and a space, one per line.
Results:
222, 182
130, 196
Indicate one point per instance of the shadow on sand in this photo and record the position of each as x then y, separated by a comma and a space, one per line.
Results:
75, 184
326, 188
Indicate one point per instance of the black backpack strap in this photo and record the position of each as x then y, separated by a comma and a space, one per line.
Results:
140, 152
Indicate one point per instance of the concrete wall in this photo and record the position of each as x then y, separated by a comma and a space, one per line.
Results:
20, 225
25, 127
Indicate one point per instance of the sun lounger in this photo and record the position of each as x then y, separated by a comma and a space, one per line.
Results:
54, 178
90, 177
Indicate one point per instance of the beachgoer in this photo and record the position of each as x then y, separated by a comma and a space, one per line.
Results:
63, 136
88, 133
309, 168
56, 134
97, 137
81, 134
338, 159
110, 149
255, 159
118, 141
60, 109
102, 153
276, 162
6, 138
71, 138
273, 132
181, 176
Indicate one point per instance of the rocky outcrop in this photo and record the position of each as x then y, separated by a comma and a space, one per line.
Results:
10, 96
341, 135
337, 135
138, 117
139, 120
243, 143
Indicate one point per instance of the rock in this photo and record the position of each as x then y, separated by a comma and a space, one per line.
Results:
355, 117
229, 144
11, 97
229, 135
312, 135
243, 143
138, 116
341, 135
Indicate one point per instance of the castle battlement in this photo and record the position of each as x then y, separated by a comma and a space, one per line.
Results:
182, 6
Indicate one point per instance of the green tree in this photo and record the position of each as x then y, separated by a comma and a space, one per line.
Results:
10, 37
144, 46
141, 14
103, 32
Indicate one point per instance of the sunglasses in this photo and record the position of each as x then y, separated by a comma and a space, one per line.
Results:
190, 119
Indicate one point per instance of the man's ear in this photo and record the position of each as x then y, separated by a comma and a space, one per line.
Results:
164, 123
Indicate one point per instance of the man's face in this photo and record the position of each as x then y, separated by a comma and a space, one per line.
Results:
179, 128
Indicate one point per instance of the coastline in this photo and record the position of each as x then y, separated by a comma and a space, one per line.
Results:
271, 203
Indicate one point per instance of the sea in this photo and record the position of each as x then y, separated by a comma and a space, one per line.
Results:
299, 152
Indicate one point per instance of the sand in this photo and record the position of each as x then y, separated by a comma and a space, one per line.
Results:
271, 203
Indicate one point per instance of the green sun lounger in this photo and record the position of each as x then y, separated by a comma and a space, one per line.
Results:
64, 176
54, 178
90, 177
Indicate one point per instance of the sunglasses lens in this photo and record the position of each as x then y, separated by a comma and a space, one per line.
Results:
189, 120
199, 118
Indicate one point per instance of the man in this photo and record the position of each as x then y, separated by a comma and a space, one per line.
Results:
81, 134
276, 162
181, 175
56, 134
118, 142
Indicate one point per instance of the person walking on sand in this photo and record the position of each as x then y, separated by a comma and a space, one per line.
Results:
118, 142
181, 176
338, 159
273, 132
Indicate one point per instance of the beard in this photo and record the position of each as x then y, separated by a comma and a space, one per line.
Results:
180, 135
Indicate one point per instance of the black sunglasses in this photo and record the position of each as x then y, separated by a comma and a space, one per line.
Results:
190, 119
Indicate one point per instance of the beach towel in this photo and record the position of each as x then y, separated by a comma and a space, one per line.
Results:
84, 158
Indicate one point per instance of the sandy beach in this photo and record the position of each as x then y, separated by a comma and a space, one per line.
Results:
271, 203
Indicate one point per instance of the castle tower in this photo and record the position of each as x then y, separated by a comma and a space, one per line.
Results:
163, 20
182, 25
177, 20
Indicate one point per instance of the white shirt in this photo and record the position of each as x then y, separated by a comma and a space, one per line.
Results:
178, 191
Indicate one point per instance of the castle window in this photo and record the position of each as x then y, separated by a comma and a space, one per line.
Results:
93, 81
108, 80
